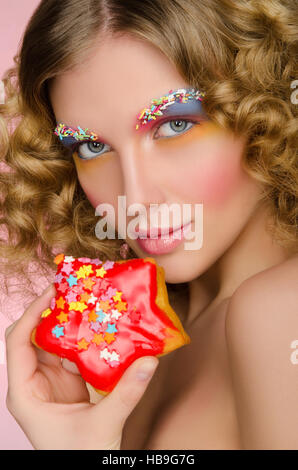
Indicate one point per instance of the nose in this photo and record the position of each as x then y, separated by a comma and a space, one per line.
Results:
141, 182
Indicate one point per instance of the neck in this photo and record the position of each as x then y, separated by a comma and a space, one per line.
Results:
253, 251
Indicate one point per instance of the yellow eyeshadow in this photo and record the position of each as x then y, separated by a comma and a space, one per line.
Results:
198, 131
87, 164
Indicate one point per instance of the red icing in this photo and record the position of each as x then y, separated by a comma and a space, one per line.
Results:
118, 336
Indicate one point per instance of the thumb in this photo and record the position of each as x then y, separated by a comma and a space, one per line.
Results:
124, 397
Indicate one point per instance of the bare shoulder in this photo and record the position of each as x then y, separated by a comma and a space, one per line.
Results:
269, 292
262, 339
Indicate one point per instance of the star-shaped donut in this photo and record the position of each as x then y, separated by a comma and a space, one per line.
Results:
107, 315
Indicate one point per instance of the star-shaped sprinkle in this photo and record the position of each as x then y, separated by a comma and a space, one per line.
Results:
116, 314
97, 261
97, 339
100, 316
95, 326
117, 296
83, 344
114, 363
89, 269
58, 278
46, 313
62, 317
88, 283
104, 305
104, 354
78, 306
81, 273
104, 297
92, 316
111, 291
60, 302
67, 268
109, 337
92, 299
104, 284
77, 289
121, 306
100, 272
108, 264
109, 294
84, 271
59, 258
68, 259
84, 297
63, 287
107, 317
58, 331
111, 328
72, 280
114, 356
84, 260
71, 296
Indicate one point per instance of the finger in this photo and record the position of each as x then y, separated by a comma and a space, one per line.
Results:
21, 354
94, 396
47, 358
10, 328
124, 397
70, 366
12, 325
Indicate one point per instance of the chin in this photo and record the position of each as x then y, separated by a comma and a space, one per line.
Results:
179, 266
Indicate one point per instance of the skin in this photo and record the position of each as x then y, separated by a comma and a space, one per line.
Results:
201, 166
204, 165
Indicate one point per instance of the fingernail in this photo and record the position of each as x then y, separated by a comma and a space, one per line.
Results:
146, 370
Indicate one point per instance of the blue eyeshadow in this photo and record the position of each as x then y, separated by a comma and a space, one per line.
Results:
175, 103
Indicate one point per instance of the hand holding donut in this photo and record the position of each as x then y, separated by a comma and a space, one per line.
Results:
52, 404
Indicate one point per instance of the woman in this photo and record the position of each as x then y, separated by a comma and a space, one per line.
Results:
97, 64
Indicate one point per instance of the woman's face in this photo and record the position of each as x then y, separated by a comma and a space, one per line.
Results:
161, 163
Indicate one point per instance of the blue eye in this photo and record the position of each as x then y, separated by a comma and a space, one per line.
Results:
88, 150
92, 149
174, 127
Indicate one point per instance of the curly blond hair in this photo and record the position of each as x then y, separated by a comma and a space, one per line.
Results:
242, 53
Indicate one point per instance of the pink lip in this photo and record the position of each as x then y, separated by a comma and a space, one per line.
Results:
160, 245
158, 231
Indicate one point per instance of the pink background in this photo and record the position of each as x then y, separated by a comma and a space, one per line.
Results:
14, 15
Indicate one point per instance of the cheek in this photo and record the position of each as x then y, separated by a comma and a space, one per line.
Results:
216, 182
93, 176
209, 165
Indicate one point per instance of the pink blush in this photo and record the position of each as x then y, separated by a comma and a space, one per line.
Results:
215, 177
218, 185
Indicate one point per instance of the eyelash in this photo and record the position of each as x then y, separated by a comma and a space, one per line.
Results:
75, 147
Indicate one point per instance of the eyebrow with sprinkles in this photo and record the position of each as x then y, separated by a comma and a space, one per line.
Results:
171, 103
160, 106
69, 136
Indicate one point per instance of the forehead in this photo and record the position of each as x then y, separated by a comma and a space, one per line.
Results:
119, 78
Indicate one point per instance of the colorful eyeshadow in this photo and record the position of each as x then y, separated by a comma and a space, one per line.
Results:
67, 134
158, 108
160, 104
